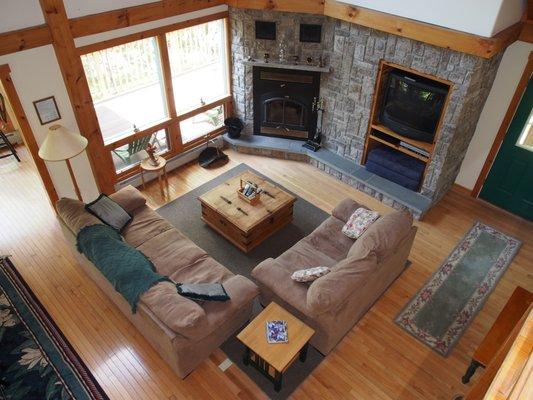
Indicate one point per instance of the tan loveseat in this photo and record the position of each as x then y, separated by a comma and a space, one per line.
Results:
183, 331
361, 271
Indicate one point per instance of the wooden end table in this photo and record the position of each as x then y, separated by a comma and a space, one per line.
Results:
272, 360
243, 224
160, 170
509, 316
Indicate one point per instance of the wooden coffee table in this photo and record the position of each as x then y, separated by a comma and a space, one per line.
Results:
242, 224
272, 360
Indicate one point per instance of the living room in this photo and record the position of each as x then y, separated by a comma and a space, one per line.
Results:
357, 172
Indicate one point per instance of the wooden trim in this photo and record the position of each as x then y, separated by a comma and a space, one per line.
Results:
432, 34
78, 90
24, 39
209, 106
150, 33
27, 133
526, 34
299, 6
28, 38
508, 117
130, 16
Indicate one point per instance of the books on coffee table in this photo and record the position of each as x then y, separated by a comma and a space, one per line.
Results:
277, 332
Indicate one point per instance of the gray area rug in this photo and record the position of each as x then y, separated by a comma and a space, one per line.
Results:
184, 213
442, 310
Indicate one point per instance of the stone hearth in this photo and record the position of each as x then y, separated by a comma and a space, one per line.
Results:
353, 52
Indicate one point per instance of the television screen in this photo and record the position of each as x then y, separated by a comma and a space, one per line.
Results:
413, 105
265, 30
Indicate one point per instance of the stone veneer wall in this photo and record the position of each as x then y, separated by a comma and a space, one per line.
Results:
354, 53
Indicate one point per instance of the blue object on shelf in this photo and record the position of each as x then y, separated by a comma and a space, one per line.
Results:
396, 167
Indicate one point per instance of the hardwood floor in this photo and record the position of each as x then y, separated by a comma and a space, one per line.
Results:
376, 360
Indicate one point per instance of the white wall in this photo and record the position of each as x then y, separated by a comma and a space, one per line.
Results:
480, 17
36, 75
78, 8
509, 73
18, 14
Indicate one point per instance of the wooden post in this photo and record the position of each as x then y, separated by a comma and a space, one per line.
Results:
78, 91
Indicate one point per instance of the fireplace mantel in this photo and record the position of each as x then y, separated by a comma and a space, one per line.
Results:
300, 67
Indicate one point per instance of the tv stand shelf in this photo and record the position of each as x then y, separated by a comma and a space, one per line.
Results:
381, 135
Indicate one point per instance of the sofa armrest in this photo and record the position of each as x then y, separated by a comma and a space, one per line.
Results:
241, 290
328, 293
345, 209
128, 198
275, 277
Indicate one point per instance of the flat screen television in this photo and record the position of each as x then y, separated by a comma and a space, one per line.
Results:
412, 105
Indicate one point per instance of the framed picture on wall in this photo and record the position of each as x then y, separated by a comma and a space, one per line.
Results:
47, 110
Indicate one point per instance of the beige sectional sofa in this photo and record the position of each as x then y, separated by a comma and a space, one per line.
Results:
361, 271
183, 331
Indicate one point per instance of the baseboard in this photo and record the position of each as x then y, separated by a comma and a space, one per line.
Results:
172, 164
462, 190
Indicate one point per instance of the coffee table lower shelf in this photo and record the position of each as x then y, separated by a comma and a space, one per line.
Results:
253, 359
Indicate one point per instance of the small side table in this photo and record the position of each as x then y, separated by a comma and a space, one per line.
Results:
272, 360
160, 170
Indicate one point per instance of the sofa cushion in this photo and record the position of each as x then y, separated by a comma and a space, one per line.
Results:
180, 314
304, 255
329, 292
171, 251
345, 209
205, 270
329, 240
74, 215
146, 225
128, 198
383, 236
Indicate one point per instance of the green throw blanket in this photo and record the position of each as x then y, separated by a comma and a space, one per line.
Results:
129, 271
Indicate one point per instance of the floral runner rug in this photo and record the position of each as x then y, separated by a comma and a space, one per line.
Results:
36, 360
441, 311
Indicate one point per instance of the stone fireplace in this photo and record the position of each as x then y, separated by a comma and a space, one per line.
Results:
353, 53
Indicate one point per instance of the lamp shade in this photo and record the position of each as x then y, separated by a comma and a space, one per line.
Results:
60, 144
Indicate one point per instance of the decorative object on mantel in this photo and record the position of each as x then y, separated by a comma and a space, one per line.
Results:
293, 66
266, 58
151, 149
441, 311
314, 144
282, 51
47, 110
62, 145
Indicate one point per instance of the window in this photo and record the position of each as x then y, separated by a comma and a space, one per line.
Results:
133, 79
201, 124
198, 62
126, 85
133, 153
525, 139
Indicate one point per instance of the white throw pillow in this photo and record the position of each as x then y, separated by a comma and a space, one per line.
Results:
310, 274
359, 222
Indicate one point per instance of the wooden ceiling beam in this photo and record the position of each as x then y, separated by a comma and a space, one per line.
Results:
24, 39
78, 90
438, 36
130, 16
300, 6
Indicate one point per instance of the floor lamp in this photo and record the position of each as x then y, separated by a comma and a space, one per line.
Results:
61, 145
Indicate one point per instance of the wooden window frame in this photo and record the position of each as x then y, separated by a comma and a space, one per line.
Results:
172, 123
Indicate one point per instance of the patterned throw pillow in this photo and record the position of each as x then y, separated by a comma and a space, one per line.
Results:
358, 222
310, 274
